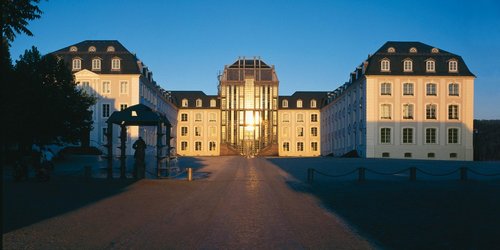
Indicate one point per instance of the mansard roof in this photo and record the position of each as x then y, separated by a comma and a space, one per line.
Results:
128, 61
423, 53
192, 96
249, 63
306, 97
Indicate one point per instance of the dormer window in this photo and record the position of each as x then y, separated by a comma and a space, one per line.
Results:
453, 66
213, 103
77, 64
284, 103
115, 64
110, 49
391, 50
184, 103
96, 64
198, 103
407, 65
430, 66
91, 49
413, 50
434, 50
73, 49
299, 103
313, 103
385, 65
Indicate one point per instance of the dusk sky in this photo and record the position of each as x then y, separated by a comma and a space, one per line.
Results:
314, 45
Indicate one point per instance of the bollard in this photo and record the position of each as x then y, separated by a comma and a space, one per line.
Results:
190, 174
361, 174
87, 172
463, 173
413, 174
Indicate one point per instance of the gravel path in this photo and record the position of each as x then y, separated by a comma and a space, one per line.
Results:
244, 203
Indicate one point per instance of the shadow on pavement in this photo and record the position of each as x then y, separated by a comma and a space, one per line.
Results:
28, 202
436, 214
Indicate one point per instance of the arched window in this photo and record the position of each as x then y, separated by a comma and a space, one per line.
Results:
110, 49
430, 111
77, 64
431, 89
73, 49
391, 50
284, 103
385, 88
115, 63
213, 103
434, 50
199, 103
96, 64
408, 88
453, 66
299, 103
407, 65
385, 65
184, 103
453, 89
413, 50
430, 65
313, 103
91, 49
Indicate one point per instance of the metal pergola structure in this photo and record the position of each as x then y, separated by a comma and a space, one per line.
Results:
137, 115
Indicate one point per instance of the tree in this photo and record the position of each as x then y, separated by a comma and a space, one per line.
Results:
15, 17
47, 103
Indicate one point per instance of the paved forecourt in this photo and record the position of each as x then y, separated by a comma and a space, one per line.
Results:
244, 203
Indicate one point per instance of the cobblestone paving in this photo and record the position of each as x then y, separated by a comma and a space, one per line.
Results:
244, 203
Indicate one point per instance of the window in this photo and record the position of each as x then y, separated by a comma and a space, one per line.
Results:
110, 49
453, 135
386, 154
430, 66
213, 103
197, 131
300, 146
314, 117
299, 103
453, 112
184, 131
314, 131
91, 49
313, 103
286, 146
385, 65
385, 88
413, 50
86, 86
284, 103
197, 146
391, 50
407, 66
211, 146
77, 64
184, 103
314, 146
407, 155
407, 135
184, 145
431, 155
105, 134
300, 117
453, 66
96, 64
211, 117
106, 87
431, 89
453, 155
385, 111
184, 117
286, 117
197, 117
407, 88
300, 131
198, 103
213, 131
385, 135
430, 135
407, 111
430, 111
123, 106
453, 89
105, 110
115, 64
123, 87
434, 50
73, 49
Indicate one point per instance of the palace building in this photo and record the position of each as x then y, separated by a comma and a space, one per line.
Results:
408, 100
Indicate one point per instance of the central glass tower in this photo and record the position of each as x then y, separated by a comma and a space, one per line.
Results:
248, 90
